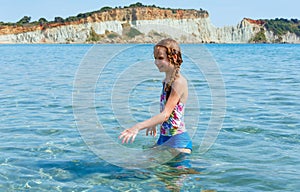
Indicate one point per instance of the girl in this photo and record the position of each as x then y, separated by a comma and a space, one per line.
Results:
174, 95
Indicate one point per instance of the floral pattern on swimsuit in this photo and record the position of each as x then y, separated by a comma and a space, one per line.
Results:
175, 124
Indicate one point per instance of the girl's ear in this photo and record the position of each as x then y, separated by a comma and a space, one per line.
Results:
175, 57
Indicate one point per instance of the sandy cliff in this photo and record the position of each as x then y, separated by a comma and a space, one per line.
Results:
139, 25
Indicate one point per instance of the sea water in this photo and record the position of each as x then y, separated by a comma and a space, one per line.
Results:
42, 148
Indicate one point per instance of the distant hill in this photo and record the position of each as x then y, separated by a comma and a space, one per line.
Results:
138, 23
26, 20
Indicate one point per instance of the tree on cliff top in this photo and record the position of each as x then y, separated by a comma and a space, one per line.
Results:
24, 20
42, 21
138, 4
58, 20
105, 9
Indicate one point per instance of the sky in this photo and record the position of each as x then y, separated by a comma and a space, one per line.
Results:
221, 12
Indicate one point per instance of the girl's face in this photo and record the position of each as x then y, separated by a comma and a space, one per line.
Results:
161, 59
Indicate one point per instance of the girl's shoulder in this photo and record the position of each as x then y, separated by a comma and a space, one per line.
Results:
180, 82
180, 85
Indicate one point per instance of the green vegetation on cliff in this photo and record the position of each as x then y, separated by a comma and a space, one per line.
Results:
282, 26
129, 31
133, 32
259, 37
93, 36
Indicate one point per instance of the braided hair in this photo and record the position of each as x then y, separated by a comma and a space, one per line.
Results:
172, 48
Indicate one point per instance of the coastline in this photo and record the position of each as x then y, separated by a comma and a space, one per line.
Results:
108, 27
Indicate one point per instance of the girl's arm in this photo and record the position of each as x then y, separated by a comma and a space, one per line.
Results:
130, 134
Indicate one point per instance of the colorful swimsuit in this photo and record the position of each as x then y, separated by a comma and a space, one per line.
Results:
172, 132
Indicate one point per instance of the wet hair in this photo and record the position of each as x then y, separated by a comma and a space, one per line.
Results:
172, 48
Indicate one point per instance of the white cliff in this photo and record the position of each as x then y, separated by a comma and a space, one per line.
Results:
186, 27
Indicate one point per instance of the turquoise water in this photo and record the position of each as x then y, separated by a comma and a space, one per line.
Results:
256, 150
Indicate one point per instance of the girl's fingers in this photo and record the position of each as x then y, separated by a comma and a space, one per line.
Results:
125, 139
151, 131
127, 135
122, 134
133, 137
128, 138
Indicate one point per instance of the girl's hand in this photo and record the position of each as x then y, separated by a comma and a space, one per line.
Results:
128, 134
151, 130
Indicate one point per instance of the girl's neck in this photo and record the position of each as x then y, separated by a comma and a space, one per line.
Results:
168, 77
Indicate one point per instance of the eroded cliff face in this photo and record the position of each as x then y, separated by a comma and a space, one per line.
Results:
139, 25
